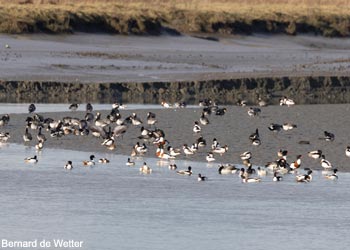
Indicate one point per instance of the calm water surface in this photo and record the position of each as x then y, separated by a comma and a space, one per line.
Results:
18, 108
112, 206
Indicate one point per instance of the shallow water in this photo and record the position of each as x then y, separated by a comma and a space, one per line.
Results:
112, 206
20, 108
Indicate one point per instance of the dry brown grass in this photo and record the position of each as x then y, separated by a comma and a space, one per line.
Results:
326, 17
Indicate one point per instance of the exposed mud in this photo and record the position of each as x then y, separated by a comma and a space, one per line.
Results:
305, 90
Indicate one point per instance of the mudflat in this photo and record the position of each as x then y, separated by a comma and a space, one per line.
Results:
98, 58
231, 129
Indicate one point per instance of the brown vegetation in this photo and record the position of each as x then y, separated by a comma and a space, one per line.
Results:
324, 17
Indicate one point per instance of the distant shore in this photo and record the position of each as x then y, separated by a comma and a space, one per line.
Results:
131, 69
331, 18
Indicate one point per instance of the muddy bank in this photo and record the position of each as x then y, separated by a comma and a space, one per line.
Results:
305, 90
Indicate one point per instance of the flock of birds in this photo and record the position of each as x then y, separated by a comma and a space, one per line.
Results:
112, 127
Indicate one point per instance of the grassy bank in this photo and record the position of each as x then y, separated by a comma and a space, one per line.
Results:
322, 17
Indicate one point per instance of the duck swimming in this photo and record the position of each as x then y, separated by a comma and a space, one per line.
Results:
333, 176
202, 178
69, 165
33, 159
145, 169
305, 177
185, 172
227, 169
90, 162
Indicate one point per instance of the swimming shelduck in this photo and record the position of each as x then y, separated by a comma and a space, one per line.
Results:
277, 177
103, 160
246, 179
145, 169
172, 167
261, 172
210, 157
130, 163
39, 145
69, 165
227, 169
33, 159
305, 177
185, 172
333, 176
202, 178
90, 162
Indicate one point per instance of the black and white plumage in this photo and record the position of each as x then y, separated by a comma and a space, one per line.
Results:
69, 165
4, 136
188, 171
246, 155
151, 118
73, 106
254, 111
305, 177
203, 119
196, 127
328, 136
288, 126
277, 177
347, 151
4, 120
227, 169
333, 176
325, 163
27, 136
315, 154
202, 178
275, 127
